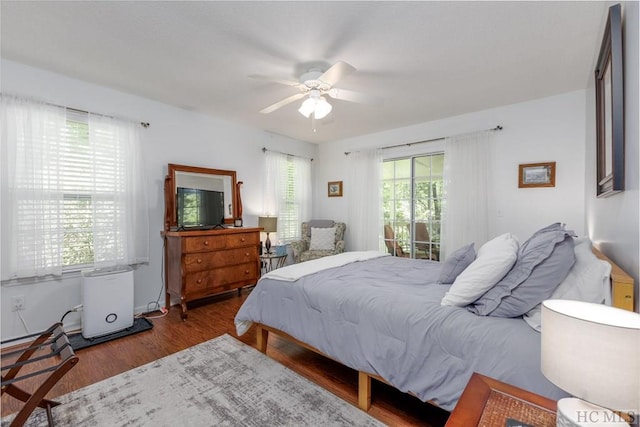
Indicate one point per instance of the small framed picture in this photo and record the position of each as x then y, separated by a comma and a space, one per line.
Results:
334, 189
537, 175
237, 222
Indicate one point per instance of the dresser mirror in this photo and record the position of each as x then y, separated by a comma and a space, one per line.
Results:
212, 186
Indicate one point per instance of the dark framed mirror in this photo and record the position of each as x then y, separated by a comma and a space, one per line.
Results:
212, 186
610, 108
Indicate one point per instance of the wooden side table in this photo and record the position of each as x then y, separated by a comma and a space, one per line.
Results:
486, 402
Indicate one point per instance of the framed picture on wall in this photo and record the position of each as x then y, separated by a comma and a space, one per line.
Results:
334, 189
610, 108
537, 175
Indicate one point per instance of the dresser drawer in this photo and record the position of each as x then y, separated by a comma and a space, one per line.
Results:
212, 281
242, 239
216, 259
237, 273
203, 243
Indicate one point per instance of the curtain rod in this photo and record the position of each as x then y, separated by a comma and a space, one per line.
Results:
265, 149
143, 124
409, 144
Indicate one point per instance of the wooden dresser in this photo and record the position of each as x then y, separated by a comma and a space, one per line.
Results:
204, 263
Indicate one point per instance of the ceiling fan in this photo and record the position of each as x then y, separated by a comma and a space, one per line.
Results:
315, 84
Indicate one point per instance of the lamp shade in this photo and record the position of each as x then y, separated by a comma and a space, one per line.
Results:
315, 104
322, 108
307, 107
592, 351
269, 224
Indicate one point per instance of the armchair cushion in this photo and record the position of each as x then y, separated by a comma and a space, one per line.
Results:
319, 223
323, 239
302, 250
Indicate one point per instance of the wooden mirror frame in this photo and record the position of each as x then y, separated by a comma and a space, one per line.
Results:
170, 214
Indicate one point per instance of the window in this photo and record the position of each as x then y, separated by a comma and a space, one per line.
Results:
77, 205
412, 205
289, 224
287, 193
74, 191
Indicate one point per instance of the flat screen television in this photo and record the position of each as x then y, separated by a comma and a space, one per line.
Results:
200, 209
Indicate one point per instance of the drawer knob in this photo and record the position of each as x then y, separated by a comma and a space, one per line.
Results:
206, 243
627, 297
199, 261
246, 254
199, 281
242, 240
246, 272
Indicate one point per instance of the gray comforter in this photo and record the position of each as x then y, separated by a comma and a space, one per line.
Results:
383, 316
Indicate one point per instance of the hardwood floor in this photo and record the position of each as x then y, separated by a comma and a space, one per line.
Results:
215, 318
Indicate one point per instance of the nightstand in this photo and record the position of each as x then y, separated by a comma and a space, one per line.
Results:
486, 402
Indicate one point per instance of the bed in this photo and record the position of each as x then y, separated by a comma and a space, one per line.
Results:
384, 317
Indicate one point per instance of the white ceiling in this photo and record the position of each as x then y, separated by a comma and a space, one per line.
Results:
427, 60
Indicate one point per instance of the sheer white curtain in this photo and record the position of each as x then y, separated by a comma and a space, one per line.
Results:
287, 193
365, 201
118, 192
73, 191
467, 165
32, 134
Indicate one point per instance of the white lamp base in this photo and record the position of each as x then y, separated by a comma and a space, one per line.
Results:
574, 412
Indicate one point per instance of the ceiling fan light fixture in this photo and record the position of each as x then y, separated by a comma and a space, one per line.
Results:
307, 107
315, 104
322, 108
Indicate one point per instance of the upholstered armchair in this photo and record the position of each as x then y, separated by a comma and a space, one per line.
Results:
320, 238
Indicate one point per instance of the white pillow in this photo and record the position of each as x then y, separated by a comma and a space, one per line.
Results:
323, 239
495, 259
588, 281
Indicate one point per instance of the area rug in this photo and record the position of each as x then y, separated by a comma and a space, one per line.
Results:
221, 382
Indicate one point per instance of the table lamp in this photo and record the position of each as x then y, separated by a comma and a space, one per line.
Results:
592, 351
269, 224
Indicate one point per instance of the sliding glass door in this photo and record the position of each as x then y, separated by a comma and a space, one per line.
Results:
412, 205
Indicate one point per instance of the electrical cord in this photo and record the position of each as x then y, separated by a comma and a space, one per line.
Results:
23, 322
157, 301
73, 310
164, 312
65, 315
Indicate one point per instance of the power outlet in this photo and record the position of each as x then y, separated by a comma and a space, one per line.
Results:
17, 303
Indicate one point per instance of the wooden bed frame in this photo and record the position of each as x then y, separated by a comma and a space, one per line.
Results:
622, 291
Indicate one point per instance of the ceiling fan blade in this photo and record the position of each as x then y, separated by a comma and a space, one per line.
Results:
273, 107
352, 96
337, 71
275, 80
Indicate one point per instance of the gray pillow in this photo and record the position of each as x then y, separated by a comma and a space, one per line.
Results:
456, 263
319, 223
541, 283
543, 262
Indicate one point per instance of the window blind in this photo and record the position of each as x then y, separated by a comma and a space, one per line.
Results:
288, 193
76, 192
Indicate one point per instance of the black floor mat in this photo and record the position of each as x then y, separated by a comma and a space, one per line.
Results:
140, 324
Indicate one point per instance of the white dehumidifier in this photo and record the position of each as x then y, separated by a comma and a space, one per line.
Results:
107, 301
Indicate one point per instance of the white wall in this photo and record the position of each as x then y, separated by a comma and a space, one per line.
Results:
175, 136
613, 222
543, 130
